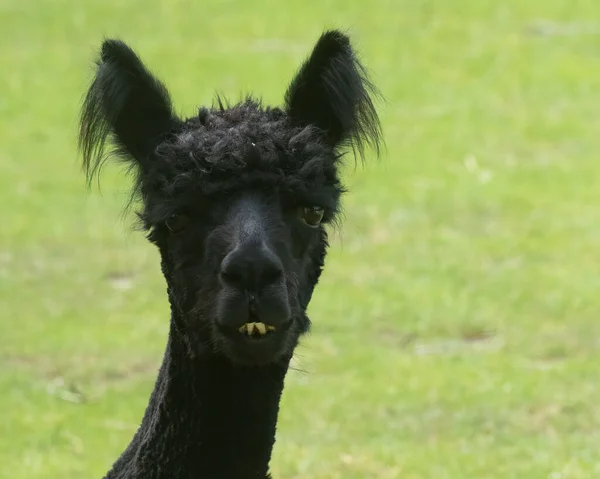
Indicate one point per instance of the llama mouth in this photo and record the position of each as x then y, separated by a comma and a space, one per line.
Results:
256, 329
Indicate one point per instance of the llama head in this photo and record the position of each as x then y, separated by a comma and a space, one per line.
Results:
236, 198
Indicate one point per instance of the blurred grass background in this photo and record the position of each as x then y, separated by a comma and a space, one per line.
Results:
456, 330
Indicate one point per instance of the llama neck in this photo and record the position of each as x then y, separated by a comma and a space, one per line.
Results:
207, 419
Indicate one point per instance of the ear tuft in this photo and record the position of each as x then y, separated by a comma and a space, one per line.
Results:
333, 92
124, 101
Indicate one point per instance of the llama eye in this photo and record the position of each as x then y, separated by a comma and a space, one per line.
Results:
312, 215
177, 223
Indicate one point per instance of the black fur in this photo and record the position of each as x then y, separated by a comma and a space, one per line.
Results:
223, 196
333, 92
127, 102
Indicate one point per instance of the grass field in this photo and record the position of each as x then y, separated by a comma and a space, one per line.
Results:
456, 330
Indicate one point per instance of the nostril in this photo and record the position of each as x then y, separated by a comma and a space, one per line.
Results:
272, 273
231, 277
232, 271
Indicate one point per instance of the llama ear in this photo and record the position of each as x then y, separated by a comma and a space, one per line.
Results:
332, 91
127, 102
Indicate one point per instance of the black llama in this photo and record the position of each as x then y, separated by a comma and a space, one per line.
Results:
236, 199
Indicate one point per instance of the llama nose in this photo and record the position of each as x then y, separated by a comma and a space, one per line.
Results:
252, 266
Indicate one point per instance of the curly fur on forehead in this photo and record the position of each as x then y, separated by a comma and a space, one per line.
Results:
242, 147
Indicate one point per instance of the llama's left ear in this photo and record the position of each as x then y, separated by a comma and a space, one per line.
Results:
332, 91
127, 102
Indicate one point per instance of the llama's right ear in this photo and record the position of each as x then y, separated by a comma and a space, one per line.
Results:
127, 102
332, 91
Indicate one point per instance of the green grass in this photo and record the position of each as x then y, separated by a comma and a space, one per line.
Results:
456, 330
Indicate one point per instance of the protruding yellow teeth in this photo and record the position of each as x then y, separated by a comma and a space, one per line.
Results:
252, 329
